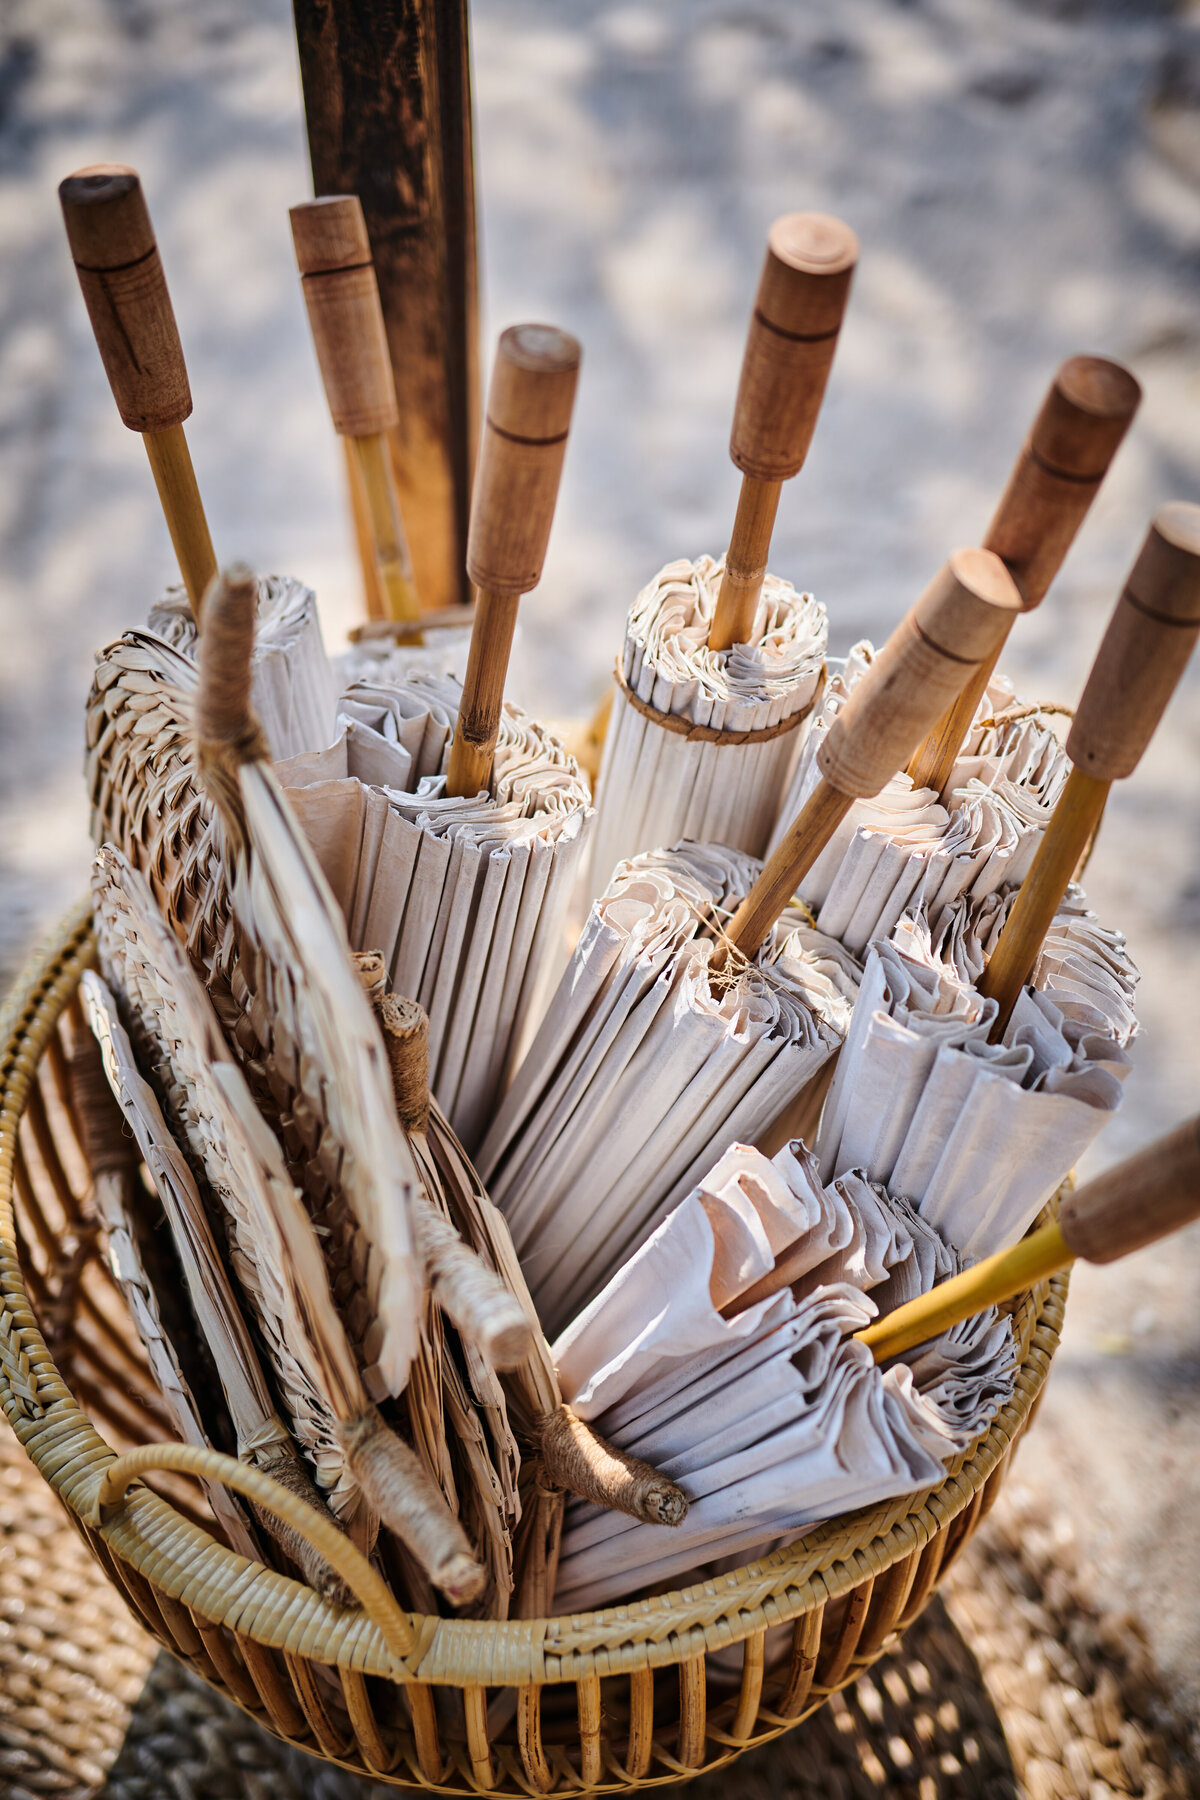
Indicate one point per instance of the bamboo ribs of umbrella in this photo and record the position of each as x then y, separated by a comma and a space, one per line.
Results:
1145, 650
107, 1055
1083, 420
337, 274
367, 1472
664, 1043
721, 662
120, 272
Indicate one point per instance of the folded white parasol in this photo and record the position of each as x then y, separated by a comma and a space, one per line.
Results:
766, 1411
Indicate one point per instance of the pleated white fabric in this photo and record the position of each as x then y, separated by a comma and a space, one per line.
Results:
979, 1135
658, 786
773, 1419
646, 1067
909, 847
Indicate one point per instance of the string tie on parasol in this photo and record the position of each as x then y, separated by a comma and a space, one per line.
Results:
709, 734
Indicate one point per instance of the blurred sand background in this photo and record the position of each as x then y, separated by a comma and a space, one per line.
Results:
1025, 180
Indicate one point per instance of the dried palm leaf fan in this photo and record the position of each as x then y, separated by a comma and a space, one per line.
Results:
368, 1474
721, 662
598, 1131
561, 1453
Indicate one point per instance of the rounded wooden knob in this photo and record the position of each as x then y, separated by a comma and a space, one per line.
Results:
1075, 436
798, 313
333, 252
125, 291
957, 623
521, 456
1145, 650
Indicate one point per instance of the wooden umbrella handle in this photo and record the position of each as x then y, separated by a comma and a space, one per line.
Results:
1083, 419
337, 276
125, 291
953, 626
1143, 1199
1145, 650
1143, 654
120, 271
512, 508
794, 328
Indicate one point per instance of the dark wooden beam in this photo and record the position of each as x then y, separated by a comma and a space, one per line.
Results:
387, 96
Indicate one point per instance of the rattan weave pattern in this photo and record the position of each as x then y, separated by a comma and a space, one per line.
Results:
604, 1722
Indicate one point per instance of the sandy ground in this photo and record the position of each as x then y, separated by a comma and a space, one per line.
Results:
1026, 183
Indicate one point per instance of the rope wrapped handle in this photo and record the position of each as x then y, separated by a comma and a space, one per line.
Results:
368, 1587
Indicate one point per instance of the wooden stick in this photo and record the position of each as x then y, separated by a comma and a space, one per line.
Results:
1144, 652
337, 276
125, 291
1083, 420
802, 296
952, 627
524, 441
1141, 1200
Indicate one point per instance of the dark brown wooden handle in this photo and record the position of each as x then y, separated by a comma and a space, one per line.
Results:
521, 457
798, 312
954, 626
1075, 436
333, 252
1144, 1198
1145, 650
125, 291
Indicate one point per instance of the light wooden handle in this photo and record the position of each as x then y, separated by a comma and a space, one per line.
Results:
1145, 649
125, 291
333, 253
521, 457
954, 626
798, 312
1075, 436
1144, 1198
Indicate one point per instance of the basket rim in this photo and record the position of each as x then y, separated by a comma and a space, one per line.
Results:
194, 1568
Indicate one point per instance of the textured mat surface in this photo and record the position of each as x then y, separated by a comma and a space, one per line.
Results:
1010, 1685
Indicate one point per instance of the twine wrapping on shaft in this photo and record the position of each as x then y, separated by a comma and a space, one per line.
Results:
578, 1459
227, 730
407, 1499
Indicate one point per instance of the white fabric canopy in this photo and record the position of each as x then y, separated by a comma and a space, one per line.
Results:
771, 1419
979, 1135
657, 786
646, 1067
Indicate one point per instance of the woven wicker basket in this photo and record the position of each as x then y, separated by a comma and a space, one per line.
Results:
634, 1696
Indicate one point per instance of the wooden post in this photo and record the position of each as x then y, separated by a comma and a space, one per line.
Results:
387, 100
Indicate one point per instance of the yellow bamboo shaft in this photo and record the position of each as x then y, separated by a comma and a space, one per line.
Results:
786, 868
745, 563
175, 479
387, 530
1040, 895
934, 761
994, 1279
474, 748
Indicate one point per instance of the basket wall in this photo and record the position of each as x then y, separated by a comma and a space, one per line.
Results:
633, 1696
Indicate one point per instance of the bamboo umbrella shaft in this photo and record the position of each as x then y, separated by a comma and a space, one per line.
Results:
1040, 895
175, 479
387, 532
954, 624
1134, 1204
524, 441
1082, 422
125, 290
745, 563
802, 294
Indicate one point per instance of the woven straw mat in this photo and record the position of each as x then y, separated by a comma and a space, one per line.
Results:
1008, 1686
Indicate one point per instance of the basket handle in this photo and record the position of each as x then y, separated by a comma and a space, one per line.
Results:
192, 1459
